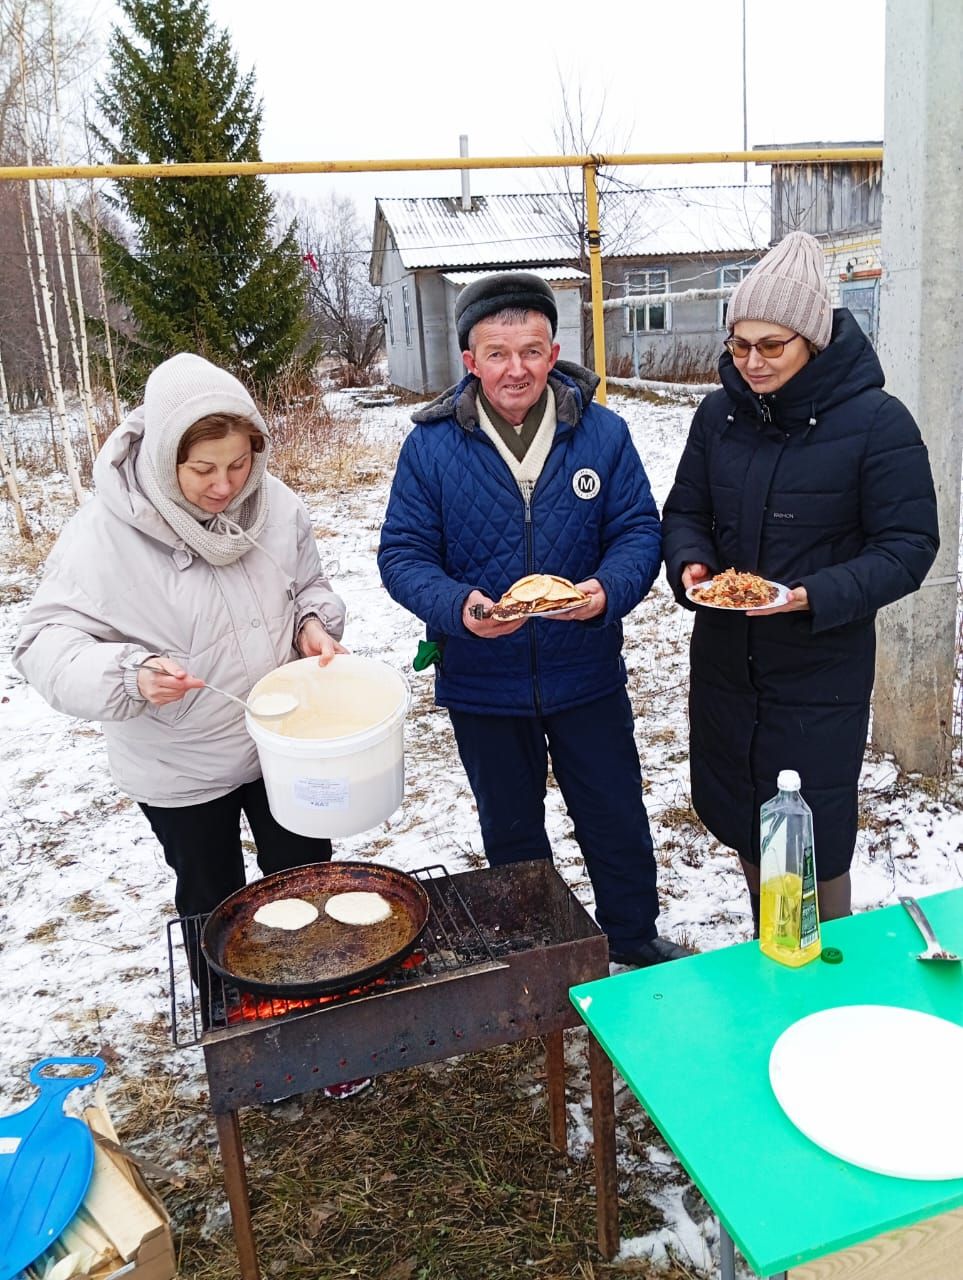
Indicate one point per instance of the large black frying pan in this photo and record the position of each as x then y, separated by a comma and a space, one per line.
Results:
324, 957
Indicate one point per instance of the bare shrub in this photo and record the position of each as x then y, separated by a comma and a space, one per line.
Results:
619, 367
689, 360
25, 557
316, 447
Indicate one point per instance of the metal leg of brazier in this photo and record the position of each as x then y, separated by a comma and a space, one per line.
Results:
235, 1183
555, 1086
603, 1128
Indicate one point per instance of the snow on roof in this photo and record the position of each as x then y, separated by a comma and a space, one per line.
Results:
687, 220
553, 275
434, 231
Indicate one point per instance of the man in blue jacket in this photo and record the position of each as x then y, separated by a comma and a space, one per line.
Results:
516, 471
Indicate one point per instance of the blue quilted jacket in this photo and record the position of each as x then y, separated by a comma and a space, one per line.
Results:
457, 521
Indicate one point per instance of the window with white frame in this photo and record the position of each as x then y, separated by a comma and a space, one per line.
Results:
390, 318
729, 276
649, 317
406, 309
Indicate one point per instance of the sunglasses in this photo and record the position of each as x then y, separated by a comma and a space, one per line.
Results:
768, 348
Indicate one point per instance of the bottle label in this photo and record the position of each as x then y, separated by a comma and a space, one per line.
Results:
809, 918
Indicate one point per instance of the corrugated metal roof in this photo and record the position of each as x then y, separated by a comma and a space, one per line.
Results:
550, 274
692, 220
434, 231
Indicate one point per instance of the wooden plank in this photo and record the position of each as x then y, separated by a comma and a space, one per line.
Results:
929, 1250
118, 1209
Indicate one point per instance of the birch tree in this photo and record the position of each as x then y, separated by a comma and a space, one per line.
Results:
43, 279
83, 384
7, 462
78, 335
93, 228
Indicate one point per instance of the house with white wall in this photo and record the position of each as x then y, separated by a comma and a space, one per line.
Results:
425, 250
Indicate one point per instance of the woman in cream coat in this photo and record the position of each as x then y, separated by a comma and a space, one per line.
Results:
192, 559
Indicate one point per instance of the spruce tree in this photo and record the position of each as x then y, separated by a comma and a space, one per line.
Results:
203, 273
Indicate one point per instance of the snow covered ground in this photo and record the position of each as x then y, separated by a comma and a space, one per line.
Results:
86, 894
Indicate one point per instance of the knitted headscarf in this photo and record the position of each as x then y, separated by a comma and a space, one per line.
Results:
787, 287
178, 393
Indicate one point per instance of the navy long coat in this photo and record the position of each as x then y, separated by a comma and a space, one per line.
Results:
825, 484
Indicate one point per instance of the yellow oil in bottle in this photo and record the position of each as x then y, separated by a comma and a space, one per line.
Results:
785, 928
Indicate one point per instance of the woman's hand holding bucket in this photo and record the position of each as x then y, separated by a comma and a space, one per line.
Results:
314, 642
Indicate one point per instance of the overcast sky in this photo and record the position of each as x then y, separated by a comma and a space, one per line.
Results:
378, 79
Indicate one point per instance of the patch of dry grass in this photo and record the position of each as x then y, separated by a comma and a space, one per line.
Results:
47, 931
87, 907
314, 448
677, 817
27, 556
442, 1172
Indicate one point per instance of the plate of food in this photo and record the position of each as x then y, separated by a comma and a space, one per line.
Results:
538, 595
744, 592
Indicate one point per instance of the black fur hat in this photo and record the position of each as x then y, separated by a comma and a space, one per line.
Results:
491, 294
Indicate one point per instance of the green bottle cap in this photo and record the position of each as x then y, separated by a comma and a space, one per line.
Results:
832, 955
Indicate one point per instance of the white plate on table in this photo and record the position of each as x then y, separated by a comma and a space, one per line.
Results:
695, 595
876, 1085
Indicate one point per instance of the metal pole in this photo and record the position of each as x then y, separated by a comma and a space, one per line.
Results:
745, 116
594, 237
727, 1255
603, 1141
555, 1088
235, 1182
254, 168
921, 351
465, 180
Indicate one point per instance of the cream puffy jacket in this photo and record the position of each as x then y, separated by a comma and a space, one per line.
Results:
120, 586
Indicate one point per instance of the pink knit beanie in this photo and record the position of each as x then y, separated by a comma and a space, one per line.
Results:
787, 287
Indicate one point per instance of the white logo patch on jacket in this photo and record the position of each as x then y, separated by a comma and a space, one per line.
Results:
586, 483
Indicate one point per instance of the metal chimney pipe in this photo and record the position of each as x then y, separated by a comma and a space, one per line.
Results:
465, 188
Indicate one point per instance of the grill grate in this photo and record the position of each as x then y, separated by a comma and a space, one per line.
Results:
453, 940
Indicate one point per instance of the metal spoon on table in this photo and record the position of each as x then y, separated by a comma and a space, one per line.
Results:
934, 948
267, 706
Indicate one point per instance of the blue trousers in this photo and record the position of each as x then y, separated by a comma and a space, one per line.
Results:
596, 765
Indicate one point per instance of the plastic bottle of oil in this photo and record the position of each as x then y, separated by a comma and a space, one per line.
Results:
788, 910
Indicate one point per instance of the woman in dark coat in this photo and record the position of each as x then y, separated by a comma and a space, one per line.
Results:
803, 470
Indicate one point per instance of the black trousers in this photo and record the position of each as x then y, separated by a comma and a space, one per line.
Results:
202, 845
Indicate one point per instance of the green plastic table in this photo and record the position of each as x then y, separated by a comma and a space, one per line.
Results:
692, 1040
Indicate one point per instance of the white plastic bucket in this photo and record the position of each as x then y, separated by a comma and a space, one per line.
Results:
335, 765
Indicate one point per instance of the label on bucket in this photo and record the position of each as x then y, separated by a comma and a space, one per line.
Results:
322, 793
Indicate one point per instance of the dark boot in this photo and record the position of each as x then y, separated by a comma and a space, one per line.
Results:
655, 951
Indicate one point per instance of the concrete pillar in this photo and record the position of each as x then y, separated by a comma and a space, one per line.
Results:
921, 351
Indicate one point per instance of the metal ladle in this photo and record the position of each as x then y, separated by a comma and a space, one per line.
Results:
283, 705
